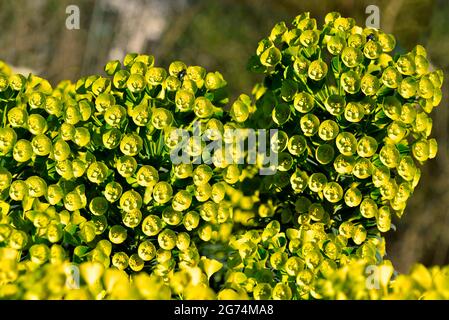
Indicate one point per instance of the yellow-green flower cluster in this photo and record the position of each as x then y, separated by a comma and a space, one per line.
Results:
91, 189
354, 126
86, 171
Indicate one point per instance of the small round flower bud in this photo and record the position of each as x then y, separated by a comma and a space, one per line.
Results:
346, 143
131, 144
368, 208
353, 197
23, 151
335, 105
162, 192
333, 192
370, 84
18, 117
351, 57
350, 82
362, 168
325, 153
126, 166
309, 124
41, 145
389, 155
146, 250
18, 190
97, 172
317, 70
354, 112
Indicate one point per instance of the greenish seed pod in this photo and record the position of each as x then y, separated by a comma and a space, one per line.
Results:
67, 131
356, 40
115, 115
17, 117
317, 181
146, 250
111, 138
381, 174
120, 260
162, 192
131, 144
81, 137
309, 38
391, 78
420, 150
298, 181
104, 101
372, 50
297, 144
126, 166
384, 219
387, 42
408, 88
406, 65
132, 218
346, 143
203, 108
151, 226
335, 45
301, 65
396, 131
392, 107
98, 206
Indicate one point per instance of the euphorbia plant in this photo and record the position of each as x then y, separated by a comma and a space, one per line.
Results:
88, 174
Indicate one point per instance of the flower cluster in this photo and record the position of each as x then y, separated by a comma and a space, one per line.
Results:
89, 181
86, 172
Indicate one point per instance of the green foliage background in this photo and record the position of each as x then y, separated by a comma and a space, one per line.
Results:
221, 35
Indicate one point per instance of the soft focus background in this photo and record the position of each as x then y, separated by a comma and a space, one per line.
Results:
221, 35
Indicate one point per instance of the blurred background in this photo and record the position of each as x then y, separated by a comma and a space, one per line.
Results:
222, 35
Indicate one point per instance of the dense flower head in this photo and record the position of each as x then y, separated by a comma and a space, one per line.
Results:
90, 185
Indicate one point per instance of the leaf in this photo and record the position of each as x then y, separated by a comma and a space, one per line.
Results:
70, 239
81, 251
210, 266
71, 228
27, 203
